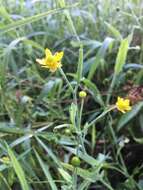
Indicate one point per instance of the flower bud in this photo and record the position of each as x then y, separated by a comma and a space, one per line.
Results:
82, 94
67, 131
75, 161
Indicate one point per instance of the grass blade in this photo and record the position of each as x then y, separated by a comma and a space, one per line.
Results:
122, 54
46, 172
18, 169
31, 19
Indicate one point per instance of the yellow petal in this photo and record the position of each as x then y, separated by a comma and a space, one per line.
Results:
45, 66
123, 105
58, 56
48, 52
40, 61
53, 69
128, 108
127, 102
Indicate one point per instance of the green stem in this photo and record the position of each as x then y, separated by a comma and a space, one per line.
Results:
80, 65
111, 89
115, 143
80, 113
101, 115
79, 127
70, 22
67, 81
74, 178
106, 184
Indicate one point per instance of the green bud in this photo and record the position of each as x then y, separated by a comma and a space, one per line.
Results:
75, 161
67, 131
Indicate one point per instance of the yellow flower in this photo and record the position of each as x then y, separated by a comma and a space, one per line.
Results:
123, 105
51, 62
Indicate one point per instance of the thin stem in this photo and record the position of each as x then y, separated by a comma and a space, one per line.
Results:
111, 89
101, 115
79, 127
67, 81
74, 178
106, 184
70, 22
80, 113
115, 143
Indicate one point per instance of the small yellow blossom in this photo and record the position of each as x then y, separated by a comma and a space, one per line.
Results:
82, 94
123, 105
50, 61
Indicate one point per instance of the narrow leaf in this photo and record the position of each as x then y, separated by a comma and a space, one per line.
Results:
80, 64
18, 169
31, 19
65, 175
113, 31
46, 172
121, 56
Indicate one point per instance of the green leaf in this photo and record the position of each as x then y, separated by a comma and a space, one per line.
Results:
84, 185
100, 55
80, 64
121, 56
50, 152
85, 174
91, 175
73, 112
5, 181
4, 14
138, 140
129, 115
94, 90
65, 175
113, 31
46, 171
31, 19
87, 158
18, 169
6, 128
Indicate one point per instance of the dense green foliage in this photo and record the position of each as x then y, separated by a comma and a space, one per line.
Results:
50, 137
